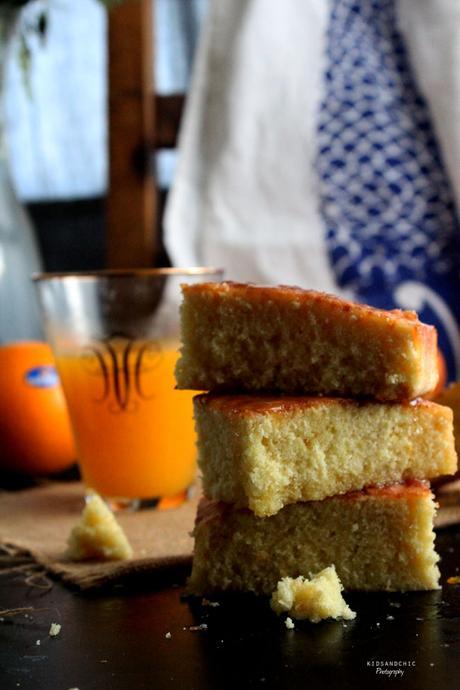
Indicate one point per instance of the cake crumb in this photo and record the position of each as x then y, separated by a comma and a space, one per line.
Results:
454, 580
314, 599
202, 626
55, 629
390, 618
289, 623
97, 534
38, 643
168, 635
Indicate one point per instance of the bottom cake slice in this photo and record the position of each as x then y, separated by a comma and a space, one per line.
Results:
378, 539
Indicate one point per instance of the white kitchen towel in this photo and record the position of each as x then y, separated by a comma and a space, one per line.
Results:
320, 148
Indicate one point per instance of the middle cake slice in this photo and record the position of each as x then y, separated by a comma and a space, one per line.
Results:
264, 452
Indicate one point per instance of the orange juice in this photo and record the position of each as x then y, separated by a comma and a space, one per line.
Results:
134, 433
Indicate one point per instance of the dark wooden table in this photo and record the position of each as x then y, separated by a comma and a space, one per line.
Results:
117, 639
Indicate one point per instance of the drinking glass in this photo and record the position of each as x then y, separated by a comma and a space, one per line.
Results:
115, 337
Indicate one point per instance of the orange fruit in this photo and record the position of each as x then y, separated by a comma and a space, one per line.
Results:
35, 433
442, 371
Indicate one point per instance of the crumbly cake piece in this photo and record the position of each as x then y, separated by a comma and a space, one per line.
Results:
97, 534
313, 599
264, 452
243, 337
378, 539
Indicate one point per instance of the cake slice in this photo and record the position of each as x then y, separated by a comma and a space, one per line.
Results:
378, 539
264, 452
243, 337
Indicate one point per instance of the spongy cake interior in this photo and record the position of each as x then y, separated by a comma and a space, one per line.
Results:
315, 599
377, 541
265, 452
253, 339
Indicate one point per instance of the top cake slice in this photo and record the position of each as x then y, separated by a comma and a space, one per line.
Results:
244, 337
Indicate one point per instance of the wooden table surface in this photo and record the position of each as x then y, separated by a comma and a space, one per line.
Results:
117, 639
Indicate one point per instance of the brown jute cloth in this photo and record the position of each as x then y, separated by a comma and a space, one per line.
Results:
38, 521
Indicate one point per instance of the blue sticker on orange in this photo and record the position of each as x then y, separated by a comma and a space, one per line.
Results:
42, 377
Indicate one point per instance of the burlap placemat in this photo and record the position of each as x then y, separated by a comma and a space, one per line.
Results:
38, 521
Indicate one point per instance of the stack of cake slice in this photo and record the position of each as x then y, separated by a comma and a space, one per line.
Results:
314, 444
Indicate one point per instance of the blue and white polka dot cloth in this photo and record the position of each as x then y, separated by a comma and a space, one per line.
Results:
321, 148
392, 231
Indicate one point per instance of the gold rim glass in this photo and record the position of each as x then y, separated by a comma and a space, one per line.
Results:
115, 336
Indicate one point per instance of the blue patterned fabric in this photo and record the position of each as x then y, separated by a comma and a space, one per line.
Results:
392, 229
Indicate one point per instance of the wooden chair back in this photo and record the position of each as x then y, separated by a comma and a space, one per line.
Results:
140, 123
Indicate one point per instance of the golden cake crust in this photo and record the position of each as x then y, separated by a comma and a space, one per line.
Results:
412, 489
252, 292
251, 404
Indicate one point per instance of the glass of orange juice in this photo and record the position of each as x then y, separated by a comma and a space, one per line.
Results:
115, 336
